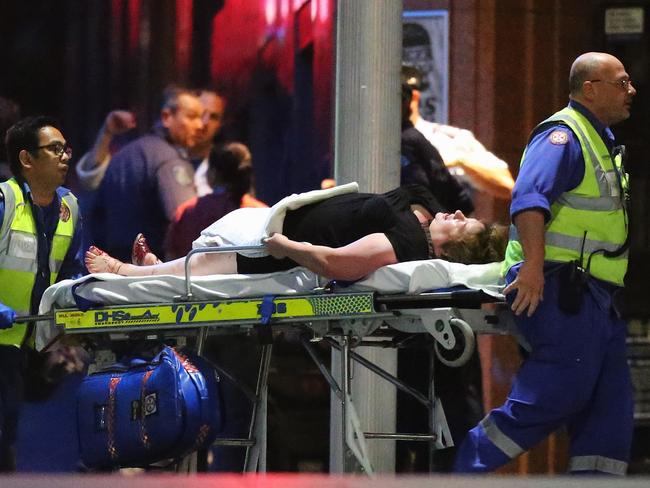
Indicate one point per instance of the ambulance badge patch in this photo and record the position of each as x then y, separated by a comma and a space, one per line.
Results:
64, 213
182, 176
558, 137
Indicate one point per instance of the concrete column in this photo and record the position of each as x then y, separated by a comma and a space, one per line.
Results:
367, 93
367, 150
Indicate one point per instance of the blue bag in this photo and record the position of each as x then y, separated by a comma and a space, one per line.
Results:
148, 411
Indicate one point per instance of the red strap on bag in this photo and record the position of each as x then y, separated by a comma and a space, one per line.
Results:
144, 437
204, 430
110, 422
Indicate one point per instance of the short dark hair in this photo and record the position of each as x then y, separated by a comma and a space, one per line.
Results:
217, 90
172, 93
407, 96
24, 135
412, 77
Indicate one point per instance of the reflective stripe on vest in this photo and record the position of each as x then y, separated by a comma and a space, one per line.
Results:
18, 252
573, 243
595, 206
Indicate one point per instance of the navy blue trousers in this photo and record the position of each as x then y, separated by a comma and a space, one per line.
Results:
576, 376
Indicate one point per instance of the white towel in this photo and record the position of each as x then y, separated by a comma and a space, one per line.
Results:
248, 226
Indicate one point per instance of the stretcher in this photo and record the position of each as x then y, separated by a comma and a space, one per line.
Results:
399, 299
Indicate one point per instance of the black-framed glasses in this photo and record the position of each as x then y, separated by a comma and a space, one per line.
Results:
622, 84
58, 149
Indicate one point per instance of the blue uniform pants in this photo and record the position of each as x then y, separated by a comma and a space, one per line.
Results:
576, 375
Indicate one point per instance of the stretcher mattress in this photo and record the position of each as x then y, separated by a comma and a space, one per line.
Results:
410, 277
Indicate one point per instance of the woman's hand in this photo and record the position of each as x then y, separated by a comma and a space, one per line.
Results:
277, 245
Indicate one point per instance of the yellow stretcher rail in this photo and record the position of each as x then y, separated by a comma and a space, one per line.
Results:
226, 312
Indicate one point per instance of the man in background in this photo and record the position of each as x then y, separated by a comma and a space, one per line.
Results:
467, 159
459, 388
92, 166
422, 164
214, 107
149, 178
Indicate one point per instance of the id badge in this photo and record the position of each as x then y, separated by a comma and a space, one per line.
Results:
22, 245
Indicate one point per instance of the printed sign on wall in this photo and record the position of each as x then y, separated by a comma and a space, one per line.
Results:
425, 45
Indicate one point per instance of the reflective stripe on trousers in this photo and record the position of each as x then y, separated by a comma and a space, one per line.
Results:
598, 463
509, 447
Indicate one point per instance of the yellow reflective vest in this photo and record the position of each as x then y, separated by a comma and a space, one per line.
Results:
592, 216
18, 252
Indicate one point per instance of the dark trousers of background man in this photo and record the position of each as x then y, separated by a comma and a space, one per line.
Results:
11, 395
461, 393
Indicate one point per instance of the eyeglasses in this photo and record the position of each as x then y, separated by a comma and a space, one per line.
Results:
58, 149
622, 84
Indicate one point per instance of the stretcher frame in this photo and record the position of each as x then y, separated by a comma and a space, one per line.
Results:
343, 319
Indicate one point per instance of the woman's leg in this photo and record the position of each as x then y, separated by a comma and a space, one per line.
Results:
97, 261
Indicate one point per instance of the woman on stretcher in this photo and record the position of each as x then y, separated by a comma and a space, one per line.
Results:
344, 237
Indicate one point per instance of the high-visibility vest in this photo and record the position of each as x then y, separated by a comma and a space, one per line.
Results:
18, 252
592, 216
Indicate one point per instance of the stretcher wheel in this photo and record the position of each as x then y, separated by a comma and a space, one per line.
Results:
464, 348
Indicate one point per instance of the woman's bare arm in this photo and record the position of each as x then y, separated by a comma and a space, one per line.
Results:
350, 262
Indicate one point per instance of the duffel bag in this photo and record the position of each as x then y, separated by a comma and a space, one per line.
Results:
144, 412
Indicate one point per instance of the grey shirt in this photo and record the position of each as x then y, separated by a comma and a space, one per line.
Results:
144, 184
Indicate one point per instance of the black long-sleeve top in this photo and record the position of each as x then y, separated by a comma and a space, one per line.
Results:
423, 165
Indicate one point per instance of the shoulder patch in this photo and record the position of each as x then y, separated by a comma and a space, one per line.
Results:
182, 175
558, 137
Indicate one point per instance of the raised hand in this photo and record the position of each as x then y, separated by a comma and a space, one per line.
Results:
119, 121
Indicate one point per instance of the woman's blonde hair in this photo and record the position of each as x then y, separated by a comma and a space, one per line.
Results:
487, 246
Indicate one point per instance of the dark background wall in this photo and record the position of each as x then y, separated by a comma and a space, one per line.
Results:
272, 59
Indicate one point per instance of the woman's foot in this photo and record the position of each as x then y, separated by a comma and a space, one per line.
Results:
97, 261
141, 254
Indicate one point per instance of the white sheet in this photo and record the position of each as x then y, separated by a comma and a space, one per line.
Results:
410, 277
415, 277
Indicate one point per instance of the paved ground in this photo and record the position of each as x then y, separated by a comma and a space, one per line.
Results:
311, 481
